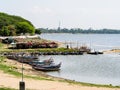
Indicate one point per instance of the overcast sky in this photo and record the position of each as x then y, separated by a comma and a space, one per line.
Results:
97, 14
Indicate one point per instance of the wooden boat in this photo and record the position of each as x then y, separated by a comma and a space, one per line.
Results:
95, 53
44, 62
51, 67
23, 59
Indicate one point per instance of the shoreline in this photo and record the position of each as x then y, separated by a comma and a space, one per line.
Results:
112, 51
70, 84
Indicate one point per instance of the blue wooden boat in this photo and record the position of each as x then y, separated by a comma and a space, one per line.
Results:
44, 62
50, 67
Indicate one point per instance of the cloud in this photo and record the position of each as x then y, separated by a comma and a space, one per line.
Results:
41, 10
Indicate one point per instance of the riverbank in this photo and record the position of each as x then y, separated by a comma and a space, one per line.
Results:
31, 84
37, 80
112, 51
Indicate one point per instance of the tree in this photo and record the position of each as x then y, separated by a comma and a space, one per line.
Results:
13, 25
5, 31
37, 31
24, 27
12, 30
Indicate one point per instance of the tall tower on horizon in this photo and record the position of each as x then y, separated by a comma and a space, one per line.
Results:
59, 25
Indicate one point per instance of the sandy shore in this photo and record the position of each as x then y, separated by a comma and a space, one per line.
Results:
11, 81
31, 84
112, 51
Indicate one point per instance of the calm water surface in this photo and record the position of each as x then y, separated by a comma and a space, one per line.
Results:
94, 41
99, 69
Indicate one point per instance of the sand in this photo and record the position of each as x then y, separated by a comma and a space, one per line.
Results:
31, 84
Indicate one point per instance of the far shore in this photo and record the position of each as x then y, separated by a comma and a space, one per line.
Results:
112, 51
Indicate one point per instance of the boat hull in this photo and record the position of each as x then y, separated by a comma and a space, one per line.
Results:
48, 67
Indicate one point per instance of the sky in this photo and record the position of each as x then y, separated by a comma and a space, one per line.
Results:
85, 14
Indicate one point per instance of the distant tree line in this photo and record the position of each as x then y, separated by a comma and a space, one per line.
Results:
11, 25
78, 30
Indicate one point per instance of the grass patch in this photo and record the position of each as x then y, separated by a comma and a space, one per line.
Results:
88, 84
12, 70
4, 48
9, 70
38, 78
1, 45
99, 85
4, 88
2, 58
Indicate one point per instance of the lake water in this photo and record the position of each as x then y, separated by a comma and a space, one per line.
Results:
94, 41
98, 69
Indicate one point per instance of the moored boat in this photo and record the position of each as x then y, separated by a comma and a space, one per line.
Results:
95, 53
51, 67
44, 62
23, 58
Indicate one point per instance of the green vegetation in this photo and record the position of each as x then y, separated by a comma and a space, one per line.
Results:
11, 25
37, 31
2, 59
89, 84
12, 70
9, 70
5, 88
38, 50
78, 30
24, 27
1, 45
